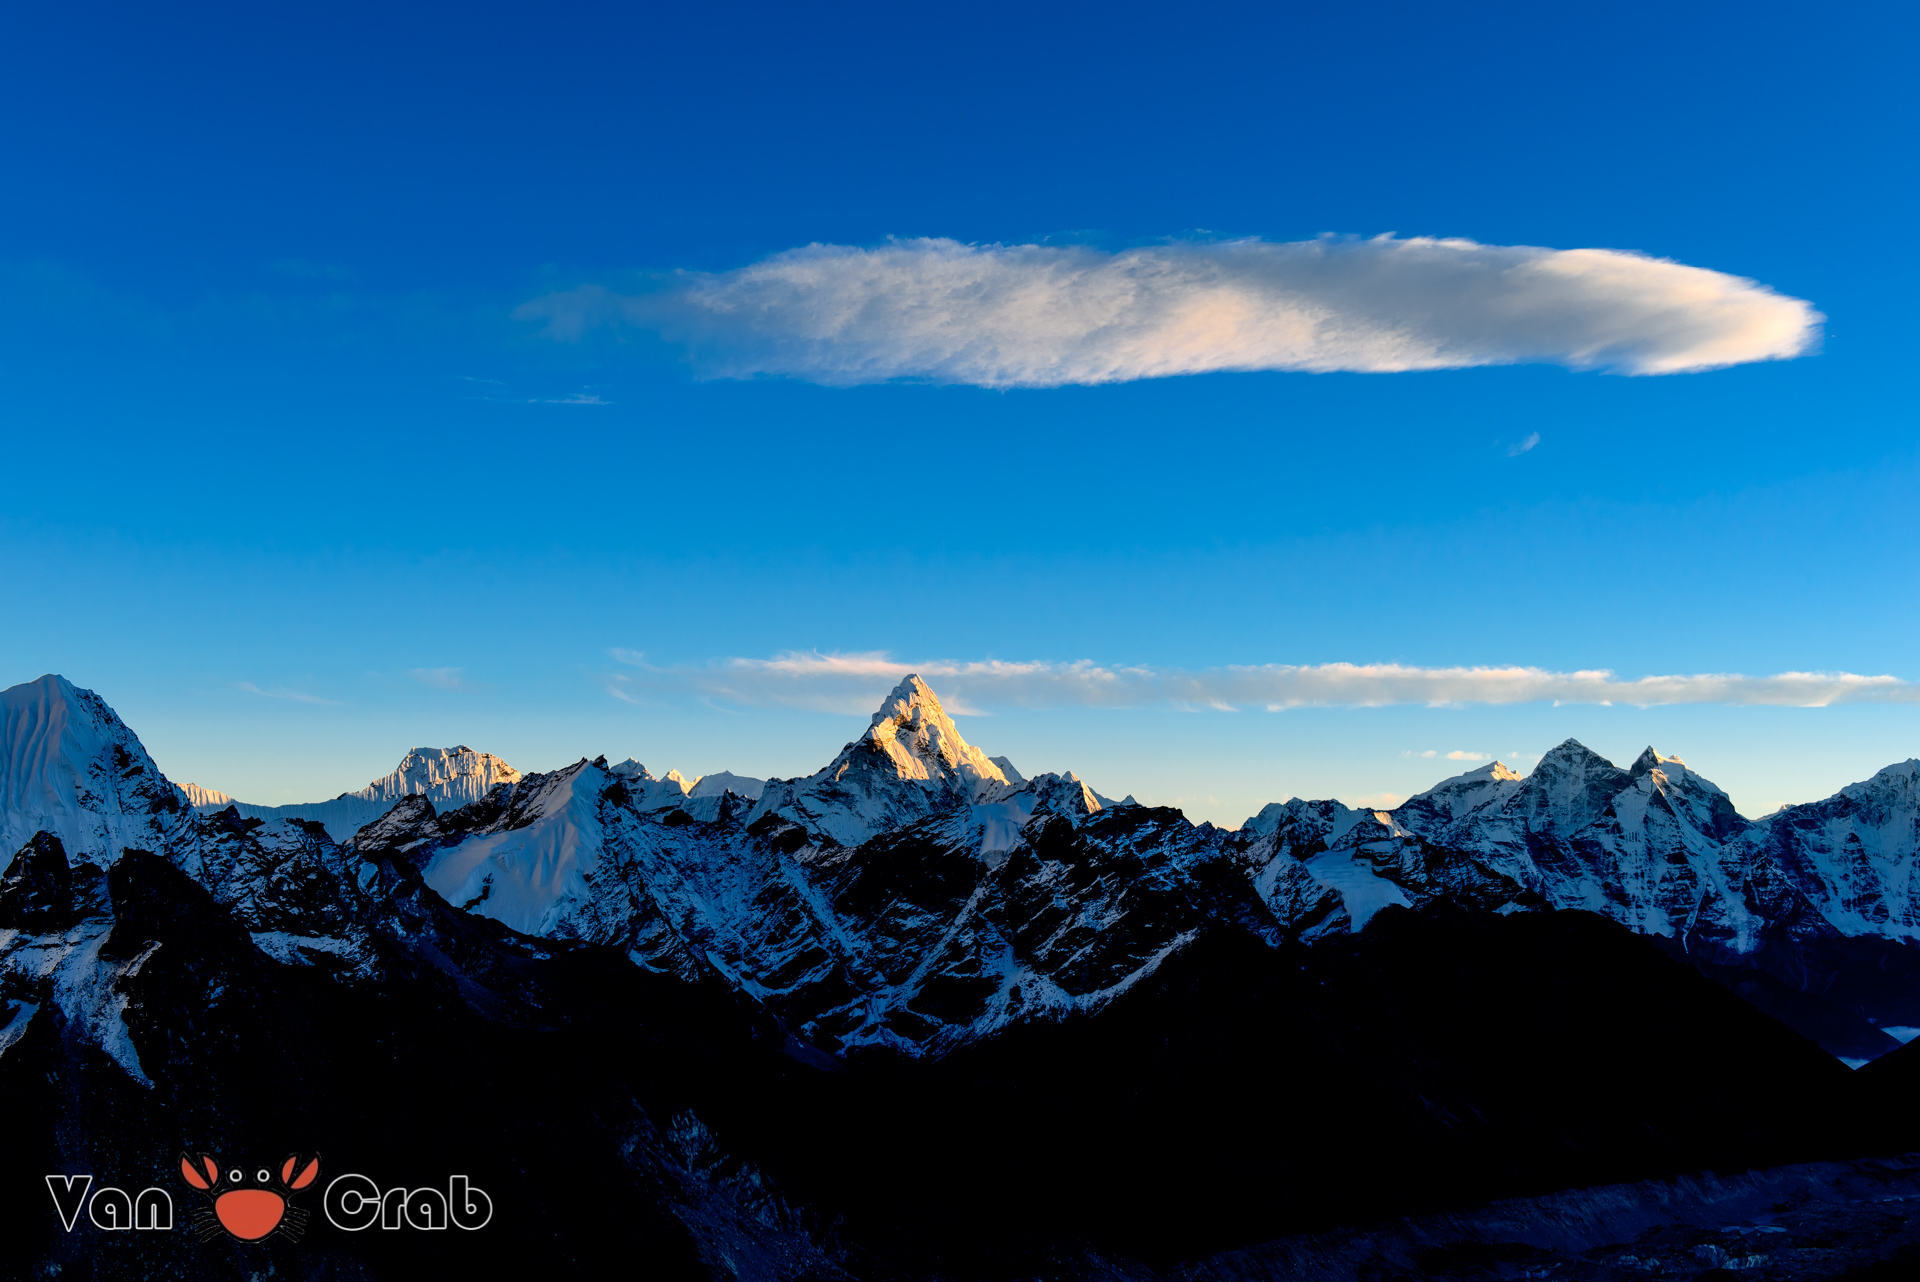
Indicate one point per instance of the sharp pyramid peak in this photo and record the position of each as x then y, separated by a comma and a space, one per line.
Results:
1669, 767
1571, 752
914, 730
911, 703
1498, 771
911, 693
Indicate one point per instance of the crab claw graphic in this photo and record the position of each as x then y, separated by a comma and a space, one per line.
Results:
308, 1174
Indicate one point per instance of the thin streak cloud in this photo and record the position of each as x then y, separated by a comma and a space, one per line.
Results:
853, 683
294, 696
1044, 315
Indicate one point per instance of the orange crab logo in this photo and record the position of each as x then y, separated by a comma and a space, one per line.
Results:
250, 1207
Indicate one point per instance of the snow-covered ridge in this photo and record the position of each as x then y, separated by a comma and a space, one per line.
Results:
204, 798
452, 778
1654, 846
675, 789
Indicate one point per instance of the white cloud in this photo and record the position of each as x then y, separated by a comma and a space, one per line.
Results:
1457, 755
1045, 315
1533, 439
280, 692
853, 683
440, 678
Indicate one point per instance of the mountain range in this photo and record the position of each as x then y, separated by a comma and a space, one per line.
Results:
916, 1014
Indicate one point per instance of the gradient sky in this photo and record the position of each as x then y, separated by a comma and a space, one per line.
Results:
296, 477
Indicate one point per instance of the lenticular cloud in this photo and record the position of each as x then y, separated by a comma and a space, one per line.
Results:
1043, 316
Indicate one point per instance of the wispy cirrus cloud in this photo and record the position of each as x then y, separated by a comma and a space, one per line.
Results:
282, 692
1048, 315
441, 678
853, 683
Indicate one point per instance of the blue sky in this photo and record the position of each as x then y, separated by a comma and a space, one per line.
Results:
300, 476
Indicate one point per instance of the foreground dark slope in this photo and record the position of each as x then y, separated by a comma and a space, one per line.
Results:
1440, 1058
561, 1079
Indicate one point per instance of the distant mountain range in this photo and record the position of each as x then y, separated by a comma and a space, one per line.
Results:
918, 1015
1812, 905
450, 777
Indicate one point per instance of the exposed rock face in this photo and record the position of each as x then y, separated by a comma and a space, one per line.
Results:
36, 895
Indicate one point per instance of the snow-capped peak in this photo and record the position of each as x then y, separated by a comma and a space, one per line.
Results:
724, 781
910, 763
918, 736
1570, 788
1453, 802
1649, 761
452, 777
197, 797
71, 767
